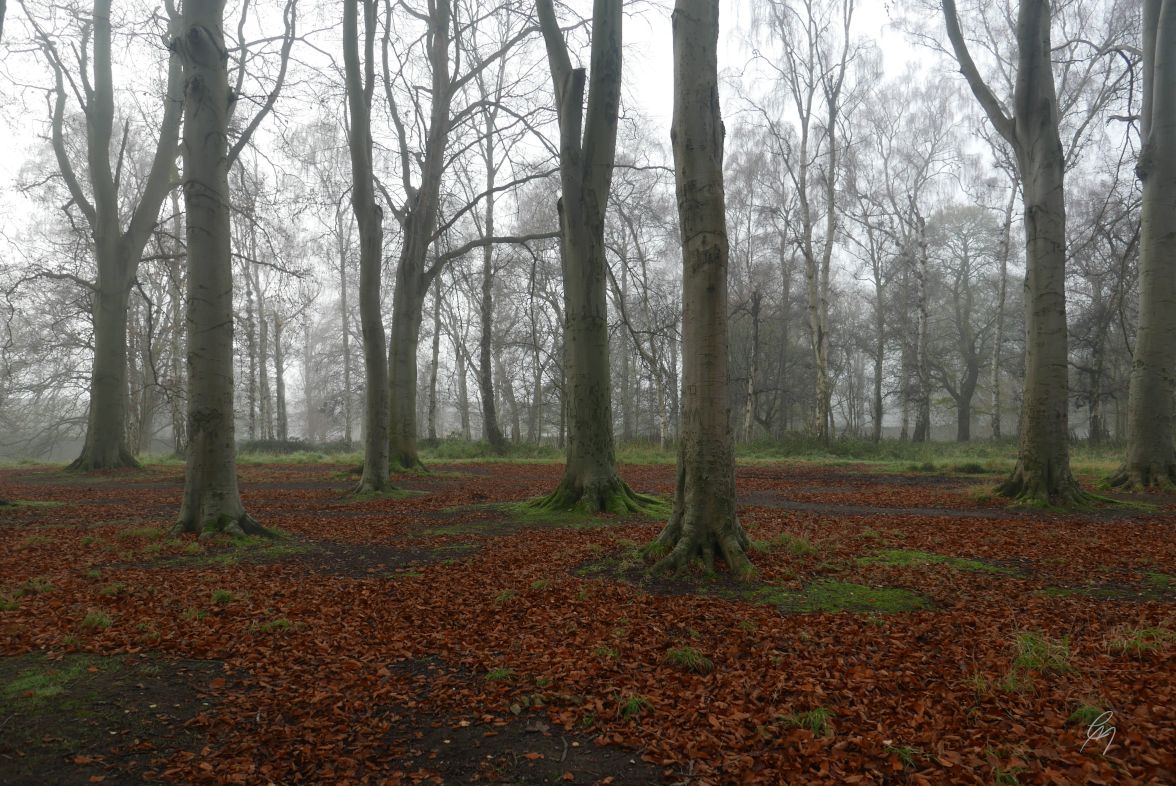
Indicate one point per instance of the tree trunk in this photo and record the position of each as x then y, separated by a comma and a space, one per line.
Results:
251, 348
434, 362
369, 220
1042, 474
345, 324
106, 446
703, 525
922, 367
212, 502
407, 314
590, 479
308, 381
491, 430
753, 369
283, 422
1150, 459
998, 340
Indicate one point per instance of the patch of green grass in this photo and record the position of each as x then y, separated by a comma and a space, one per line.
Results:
797, 546
193, 614
827, 595
904, 753
145, 533
222, 597
609, 653
540, 584
499, 673
1085, 715
505, 596
35, 541
278, 625
817, 720
8, 603
1159, 582
633, 706
113, 590
38, 585
689, 659
910, 558
1140, 640
97, 620
1037, 652
48, 680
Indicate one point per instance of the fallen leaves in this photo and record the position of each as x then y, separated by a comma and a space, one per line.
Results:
366, 652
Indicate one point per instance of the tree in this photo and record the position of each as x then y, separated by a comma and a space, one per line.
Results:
117, 244
703, 523
369, 218
587, 146
1151, 458
1042, 473
212, 501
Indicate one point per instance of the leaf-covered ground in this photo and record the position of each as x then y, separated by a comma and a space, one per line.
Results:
901, 629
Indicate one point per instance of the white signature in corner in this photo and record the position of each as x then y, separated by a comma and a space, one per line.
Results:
1101, 729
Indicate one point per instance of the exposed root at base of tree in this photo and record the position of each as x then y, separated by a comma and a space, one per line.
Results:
611, 495
238, 526
87, 463
1144, 477
1035, 489
686, 540
367, 488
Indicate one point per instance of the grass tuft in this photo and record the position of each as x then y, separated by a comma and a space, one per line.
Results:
817, 720
689, 659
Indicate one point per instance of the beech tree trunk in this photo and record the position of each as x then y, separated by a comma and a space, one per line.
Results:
1042, 474
435, 361
1151, 460
212, 502
118, 249
587, 146
703, 525
369, 219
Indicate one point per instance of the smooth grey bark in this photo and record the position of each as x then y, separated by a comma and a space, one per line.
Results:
1151, 459
369, 218
212, 501
117, 248
919, 259
1042, 474
753, 369
587, 147
703, 524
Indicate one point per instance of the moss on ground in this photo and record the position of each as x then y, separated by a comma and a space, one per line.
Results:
826, 595
912, 558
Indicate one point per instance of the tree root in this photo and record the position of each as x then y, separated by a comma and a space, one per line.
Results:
1144, 477
240, 526
612, 495
682, 544
1031, 489
86, 462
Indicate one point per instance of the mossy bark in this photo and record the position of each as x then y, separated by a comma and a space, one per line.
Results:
703, 524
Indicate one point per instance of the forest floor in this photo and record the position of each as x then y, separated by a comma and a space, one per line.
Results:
901, 628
